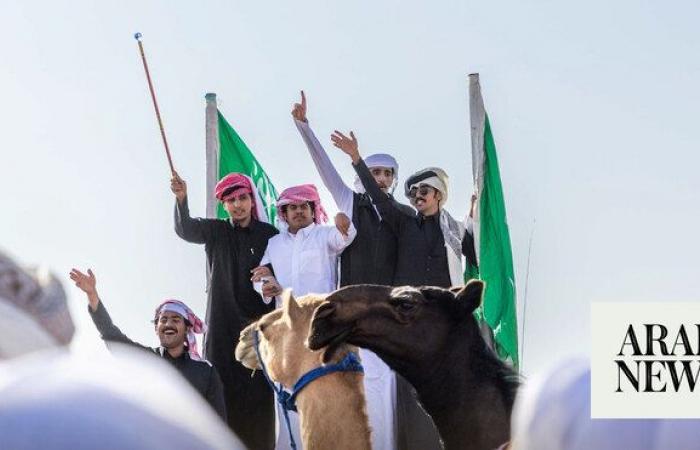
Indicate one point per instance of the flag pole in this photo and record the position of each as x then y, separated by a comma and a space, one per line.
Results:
138, 36
527, 281
477, 115
211, 130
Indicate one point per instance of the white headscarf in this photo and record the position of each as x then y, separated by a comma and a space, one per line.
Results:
432, 176
553, 412
379, 160
20, 333
39, 295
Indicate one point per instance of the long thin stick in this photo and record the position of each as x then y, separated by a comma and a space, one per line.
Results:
527, 281
137, 36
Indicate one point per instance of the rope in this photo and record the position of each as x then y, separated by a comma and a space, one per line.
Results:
350, 363
282, 395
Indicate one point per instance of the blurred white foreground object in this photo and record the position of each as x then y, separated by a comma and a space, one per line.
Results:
55, 400
553, 412
33, 310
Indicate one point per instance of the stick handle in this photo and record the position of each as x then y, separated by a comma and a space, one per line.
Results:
137, 36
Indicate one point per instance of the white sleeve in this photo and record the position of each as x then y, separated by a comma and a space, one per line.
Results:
266, 260
266, 257
341, 193
337, 241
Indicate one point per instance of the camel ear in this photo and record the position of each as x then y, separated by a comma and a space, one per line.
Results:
290, 307
469, 297
437, 293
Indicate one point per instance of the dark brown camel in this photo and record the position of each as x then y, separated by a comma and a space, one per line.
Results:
430, 337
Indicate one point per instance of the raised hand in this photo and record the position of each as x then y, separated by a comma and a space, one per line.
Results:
299, 111
347, 144
342, 223
179, 187
88, 284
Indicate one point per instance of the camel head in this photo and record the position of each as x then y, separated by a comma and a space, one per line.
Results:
403, 325
282, 335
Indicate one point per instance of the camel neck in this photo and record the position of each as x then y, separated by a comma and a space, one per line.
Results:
330, 400
464, 403
439, 378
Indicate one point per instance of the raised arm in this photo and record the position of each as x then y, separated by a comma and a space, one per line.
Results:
468, 249
341, 193
109, 332
194, 230
386, 207
468, 246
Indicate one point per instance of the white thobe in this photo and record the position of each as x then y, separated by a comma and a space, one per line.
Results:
307, 262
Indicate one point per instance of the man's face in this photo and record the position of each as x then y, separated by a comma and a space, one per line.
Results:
171, 330
298, 216
239, 207
384, 176
426, 199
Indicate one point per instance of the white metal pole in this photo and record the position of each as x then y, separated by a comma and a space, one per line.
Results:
212, 150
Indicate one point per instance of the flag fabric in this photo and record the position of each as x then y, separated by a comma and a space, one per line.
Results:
491, 236
235, 156
226, 153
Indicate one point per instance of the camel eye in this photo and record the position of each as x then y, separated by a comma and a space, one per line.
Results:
405, 306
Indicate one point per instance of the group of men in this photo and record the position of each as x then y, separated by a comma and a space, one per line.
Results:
376, 239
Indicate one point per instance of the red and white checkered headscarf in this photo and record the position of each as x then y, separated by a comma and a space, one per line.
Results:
302, 194
235, 184
196, 325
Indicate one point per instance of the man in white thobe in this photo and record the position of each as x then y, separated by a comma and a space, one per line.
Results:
304, 257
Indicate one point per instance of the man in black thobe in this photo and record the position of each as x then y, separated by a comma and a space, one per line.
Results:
233, 247
424, 258
175, 325
371, 258
431, 243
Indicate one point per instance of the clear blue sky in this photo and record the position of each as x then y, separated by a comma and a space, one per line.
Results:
594, 108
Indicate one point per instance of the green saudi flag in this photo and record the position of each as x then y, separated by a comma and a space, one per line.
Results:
491, 237
226, 153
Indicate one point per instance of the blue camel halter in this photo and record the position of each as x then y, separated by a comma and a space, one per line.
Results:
350, 363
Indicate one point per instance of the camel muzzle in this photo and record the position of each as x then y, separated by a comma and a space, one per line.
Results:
245, 351
325, 332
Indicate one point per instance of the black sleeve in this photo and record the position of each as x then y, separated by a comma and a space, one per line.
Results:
383, 201
195, 230
215, 393
108, 330
468, 249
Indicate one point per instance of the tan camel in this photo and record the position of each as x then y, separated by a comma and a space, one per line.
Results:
332, 409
